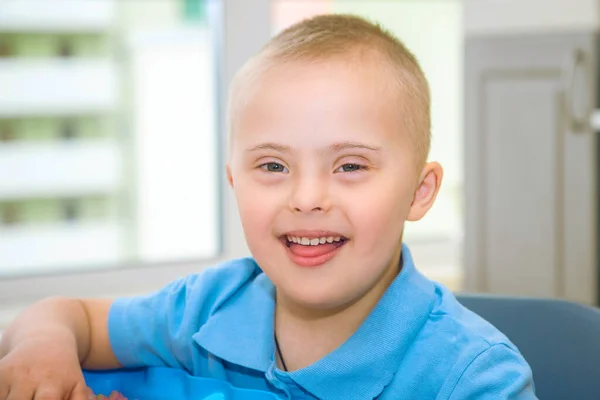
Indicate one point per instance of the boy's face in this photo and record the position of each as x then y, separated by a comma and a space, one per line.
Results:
320, 155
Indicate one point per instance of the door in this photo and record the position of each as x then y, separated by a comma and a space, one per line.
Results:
530, 166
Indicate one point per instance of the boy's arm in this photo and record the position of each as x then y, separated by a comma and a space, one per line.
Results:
149, 330
499, 372
83, 320
99, 354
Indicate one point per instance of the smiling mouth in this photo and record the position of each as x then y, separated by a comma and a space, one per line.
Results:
312, 251
336, 241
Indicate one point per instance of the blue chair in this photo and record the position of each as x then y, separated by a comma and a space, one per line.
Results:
559, 339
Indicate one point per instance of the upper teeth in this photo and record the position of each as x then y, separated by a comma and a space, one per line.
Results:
313, 241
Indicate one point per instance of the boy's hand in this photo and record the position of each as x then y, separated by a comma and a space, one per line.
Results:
113, 396
43, 367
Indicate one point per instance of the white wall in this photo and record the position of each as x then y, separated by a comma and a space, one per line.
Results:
519, 16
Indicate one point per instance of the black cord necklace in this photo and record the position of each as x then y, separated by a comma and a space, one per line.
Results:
279, 354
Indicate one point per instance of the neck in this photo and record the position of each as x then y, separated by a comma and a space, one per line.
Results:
306, 335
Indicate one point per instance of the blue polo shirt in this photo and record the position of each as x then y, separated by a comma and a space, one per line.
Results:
417, 343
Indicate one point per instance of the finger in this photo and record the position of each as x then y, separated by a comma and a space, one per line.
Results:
81, 392
20, 393
3, 390
47, 392
89, 393
114, 395
4, 384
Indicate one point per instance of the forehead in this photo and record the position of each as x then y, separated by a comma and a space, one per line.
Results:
333, 97
334, 79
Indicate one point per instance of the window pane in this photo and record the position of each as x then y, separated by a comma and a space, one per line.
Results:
432, 30
108, 133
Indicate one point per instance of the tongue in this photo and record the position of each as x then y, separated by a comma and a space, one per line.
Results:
311, 251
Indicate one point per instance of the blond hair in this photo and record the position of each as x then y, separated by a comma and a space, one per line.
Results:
333, 36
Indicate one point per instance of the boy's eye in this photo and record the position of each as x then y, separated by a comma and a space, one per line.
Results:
273, 167
350, 168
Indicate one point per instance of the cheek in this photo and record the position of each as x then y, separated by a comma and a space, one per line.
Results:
257, 206
380, 212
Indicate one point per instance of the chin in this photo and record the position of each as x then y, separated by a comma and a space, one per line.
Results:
319, 299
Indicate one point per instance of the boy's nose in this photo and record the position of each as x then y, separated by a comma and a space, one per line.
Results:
310, 196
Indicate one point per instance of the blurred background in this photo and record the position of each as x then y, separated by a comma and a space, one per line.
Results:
112, 141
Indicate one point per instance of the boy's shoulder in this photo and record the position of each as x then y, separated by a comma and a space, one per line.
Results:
196, 297
221, 282
468, 353
234, 271
243, 267
460, 323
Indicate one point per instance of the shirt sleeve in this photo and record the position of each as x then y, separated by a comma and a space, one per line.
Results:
498, 373
157, 329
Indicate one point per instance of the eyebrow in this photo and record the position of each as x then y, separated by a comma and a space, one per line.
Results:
334, 148
271, 146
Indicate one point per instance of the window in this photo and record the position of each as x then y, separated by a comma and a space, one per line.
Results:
109, 123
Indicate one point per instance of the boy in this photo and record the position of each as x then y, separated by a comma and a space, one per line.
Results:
329, 134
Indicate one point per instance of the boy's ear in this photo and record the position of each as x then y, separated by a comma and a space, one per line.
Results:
429, 186
229, 176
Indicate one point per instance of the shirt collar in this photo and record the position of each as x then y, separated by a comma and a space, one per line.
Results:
241, 332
